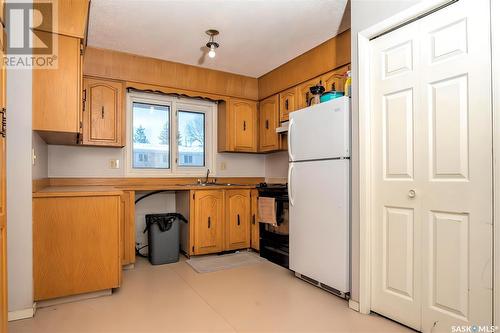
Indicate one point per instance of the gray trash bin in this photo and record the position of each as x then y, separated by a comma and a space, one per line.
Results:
163, 238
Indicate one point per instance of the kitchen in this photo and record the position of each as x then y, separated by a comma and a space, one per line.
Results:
227, 167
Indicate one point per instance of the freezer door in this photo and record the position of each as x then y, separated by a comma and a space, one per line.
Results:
319, 221
319, 132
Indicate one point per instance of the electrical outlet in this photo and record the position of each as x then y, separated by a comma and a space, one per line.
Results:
114, 164
223, 165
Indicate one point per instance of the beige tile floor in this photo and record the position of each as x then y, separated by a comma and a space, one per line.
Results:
174, 298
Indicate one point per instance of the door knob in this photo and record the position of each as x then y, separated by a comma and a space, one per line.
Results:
411, 194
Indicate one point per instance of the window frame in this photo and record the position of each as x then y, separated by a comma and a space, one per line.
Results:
176, 104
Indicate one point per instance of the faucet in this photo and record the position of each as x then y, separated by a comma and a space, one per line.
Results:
206, 179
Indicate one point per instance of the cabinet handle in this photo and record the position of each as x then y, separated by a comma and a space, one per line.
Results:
238, 219
267, 123
286, 104
102, 112
253, 219
209, 222
244, 125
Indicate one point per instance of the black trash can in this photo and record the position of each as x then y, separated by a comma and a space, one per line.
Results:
163, 238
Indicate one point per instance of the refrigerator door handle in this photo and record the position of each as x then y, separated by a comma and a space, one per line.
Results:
290, 185
290, 154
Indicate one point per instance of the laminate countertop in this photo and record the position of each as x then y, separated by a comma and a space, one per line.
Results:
95, 190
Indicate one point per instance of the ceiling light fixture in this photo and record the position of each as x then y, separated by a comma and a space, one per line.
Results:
212, 45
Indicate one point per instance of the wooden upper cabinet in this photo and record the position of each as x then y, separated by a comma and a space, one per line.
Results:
72, 17
237, 120
304, 93
288, 103
208, 221
57, 95
237, 219
103, 115
2, 12
335, 80
268, 121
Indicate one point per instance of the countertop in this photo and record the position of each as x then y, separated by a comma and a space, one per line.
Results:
89, 188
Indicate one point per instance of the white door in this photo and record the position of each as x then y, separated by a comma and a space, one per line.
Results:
319, 221
320, 131
432, 170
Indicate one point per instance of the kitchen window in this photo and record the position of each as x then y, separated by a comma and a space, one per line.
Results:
169, 136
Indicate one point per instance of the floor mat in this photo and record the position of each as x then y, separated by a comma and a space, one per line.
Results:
213, 263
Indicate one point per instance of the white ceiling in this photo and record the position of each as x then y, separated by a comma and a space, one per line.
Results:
256, 36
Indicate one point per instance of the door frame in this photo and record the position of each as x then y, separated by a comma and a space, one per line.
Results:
495, 81
365, 143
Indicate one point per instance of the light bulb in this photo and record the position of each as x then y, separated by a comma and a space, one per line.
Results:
211, 53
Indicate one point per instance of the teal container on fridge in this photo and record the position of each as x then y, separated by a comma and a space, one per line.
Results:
328, 96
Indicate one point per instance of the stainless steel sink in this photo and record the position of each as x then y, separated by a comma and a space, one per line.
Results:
210, 184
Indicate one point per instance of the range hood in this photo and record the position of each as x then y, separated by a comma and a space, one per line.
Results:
283, 128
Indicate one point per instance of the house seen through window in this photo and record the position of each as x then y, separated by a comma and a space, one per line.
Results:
170, 135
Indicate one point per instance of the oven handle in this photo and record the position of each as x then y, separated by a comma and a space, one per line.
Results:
290, 184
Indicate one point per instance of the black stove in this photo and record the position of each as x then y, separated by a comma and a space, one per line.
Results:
274, 239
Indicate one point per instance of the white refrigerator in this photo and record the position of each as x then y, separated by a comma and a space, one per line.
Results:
318, 185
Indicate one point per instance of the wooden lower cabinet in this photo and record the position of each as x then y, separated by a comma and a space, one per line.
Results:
3, 279
127, 227
237, 219
219, 220
208, 221
76, 244
254, 226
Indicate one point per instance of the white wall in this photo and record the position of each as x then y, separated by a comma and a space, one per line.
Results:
277, 166
71, 161
19, 225
364, 13
40, 167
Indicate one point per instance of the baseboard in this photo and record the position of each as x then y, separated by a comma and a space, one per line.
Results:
22, 314
74, 298
353, 305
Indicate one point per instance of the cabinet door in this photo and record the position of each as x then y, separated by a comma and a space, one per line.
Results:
57, 92
254, 229
288, 103
237, 219
128, 227
304, 94
3, 215
208, 222
103, 113
244, 125
268, 121
76, 245
335, 80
